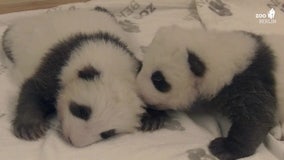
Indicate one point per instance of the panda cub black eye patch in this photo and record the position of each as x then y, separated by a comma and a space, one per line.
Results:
88, 73
160, 82
196, 65
80, 111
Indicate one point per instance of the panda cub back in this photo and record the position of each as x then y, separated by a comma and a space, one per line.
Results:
80, 64
39, 33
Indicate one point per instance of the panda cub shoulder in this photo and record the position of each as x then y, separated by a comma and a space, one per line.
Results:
80, 64
233, 72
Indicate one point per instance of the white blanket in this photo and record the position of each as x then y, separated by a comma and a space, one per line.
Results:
185, 137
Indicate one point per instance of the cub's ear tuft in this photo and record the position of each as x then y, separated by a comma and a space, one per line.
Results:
88, 73
196, 65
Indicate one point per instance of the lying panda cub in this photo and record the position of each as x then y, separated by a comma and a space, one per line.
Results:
79, 62
236, 73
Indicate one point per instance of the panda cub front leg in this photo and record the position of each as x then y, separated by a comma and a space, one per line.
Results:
32, 111
252, 116
153, 119
242, 141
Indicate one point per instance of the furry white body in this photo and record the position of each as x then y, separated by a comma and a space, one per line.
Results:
113, 97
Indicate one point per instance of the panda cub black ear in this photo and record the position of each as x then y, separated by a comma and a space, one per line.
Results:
196, 65
88, 73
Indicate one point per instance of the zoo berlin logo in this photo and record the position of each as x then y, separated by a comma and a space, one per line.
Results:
266, 18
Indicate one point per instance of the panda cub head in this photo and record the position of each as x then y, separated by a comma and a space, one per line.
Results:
98, 96
86, 72
182, 65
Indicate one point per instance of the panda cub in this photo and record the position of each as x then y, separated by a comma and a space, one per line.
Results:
235, 73
75, 63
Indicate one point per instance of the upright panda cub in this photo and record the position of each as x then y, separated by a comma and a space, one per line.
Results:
236, 73
77, 63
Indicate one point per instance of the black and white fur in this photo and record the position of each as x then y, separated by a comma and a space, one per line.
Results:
80, 64
235, 73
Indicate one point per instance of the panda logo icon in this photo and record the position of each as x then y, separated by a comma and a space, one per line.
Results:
271, 13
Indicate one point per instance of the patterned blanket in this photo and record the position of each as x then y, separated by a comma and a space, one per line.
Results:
185, 137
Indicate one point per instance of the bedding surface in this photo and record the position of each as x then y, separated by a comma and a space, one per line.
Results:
185, 136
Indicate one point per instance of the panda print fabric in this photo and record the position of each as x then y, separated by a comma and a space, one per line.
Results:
234, 73
78, 64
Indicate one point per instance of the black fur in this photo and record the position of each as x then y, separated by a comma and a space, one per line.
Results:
38, 93
80, 111
88, 73
104, 10
197, 67
153, 119
250, 103
6, 46
159, 81
108, 134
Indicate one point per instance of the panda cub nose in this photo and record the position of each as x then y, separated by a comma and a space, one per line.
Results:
108, 134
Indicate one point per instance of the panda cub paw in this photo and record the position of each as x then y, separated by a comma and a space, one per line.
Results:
219, 149
153, 119
30, 129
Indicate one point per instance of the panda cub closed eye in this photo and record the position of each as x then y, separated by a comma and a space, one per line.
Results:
160, 82
80, 111
108, 134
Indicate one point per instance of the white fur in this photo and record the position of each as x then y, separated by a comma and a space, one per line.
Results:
224, 53
113, 97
